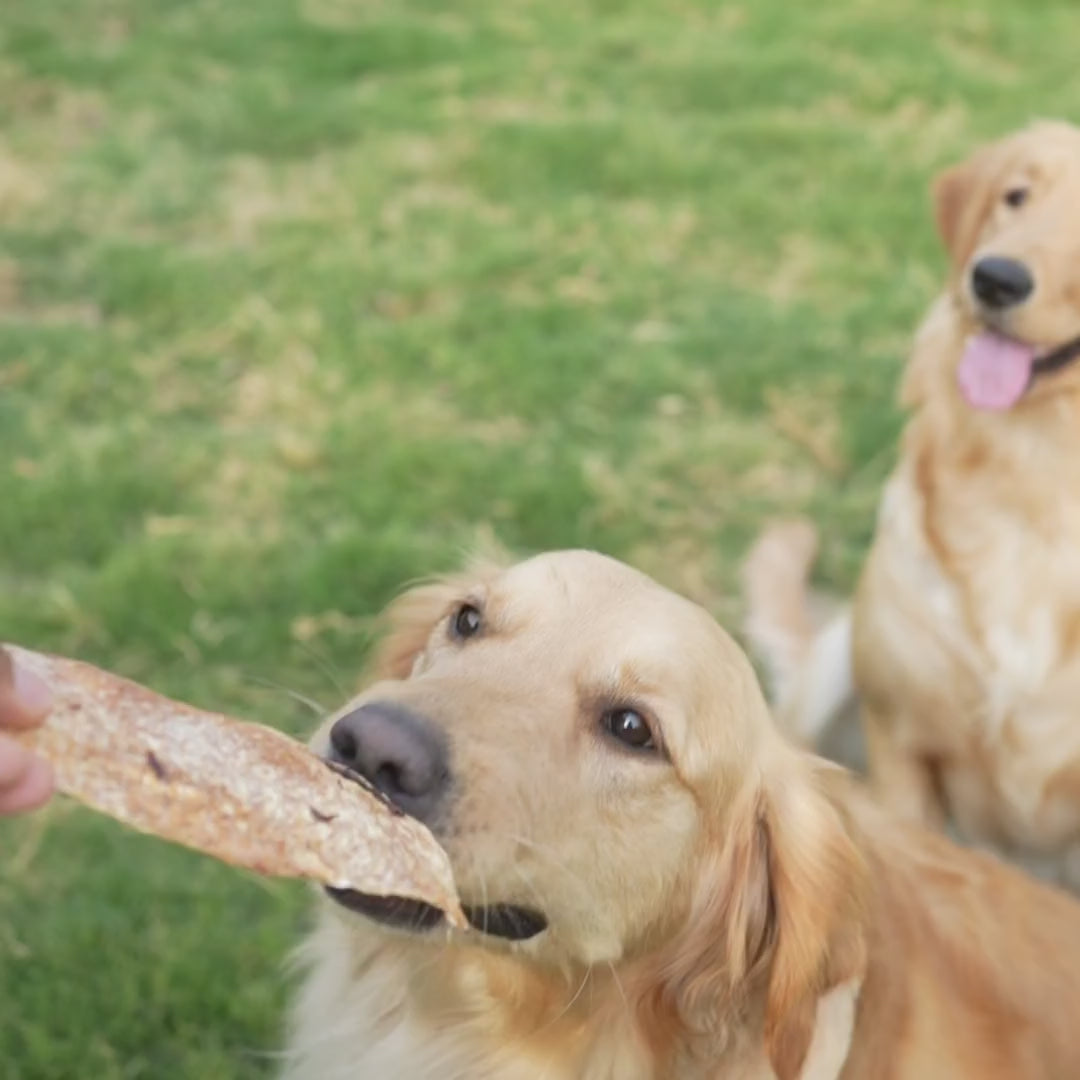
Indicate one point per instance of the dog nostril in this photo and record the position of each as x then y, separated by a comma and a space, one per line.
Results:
388, 780
343, 742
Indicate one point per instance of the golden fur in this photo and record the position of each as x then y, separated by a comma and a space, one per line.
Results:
727, 908
963, 645
967, 618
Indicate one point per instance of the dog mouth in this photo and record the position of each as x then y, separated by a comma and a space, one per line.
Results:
1057, 358
511, 922
396, 912
996, 371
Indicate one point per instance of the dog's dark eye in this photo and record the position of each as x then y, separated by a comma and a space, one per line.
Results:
1016, 196
629, 727
467, 621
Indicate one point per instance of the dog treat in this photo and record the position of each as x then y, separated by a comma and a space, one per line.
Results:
245, 794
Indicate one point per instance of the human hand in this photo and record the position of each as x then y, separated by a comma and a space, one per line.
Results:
26, 781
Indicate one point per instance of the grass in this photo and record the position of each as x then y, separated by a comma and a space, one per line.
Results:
300, 299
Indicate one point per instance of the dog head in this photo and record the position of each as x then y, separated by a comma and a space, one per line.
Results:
595, 756
1010, 219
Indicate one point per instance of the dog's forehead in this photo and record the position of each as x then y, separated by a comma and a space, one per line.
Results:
1045, 148
588, 597
587, 586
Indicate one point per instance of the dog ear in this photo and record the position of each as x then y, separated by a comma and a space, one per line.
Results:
692, 984
950, 191
962, 197
817, 884
407, 624
408, 621
777, 914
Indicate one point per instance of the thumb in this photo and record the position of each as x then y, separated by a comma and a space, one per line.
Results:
24, 698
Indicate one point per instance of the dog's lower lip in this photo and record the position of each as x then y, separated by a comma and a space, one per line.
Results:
395, 911
508, 921
1047, 358
1051, 360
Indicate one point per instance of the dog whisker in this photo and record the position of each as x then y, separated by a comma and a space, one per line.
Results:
294, 695
570, 1004
327, 668
619, 986
529, 886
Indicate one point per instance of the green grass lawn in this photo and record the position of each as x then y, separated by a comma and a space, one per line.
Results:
299, 300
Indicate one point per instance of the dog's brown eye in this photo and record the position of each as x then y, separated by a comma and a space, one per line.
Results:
467, 621
1016, 196
629, 727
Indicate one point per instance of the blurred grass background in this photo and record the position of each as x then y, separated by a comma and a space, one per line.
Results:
299, 299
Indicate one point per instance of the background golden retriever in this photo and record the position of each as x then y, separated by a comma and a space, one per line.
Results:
966, 632
661, 886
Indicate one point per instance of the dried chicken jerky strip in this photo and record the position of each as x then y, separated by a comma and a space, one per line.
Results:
243, 793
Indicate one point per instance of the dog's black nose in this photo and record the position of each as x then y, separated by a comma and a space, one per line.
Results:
1000, 283
399, 751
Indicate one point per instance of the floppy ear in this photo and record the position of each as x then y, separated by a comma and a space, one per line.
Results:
817, 881
950, 192
777, 914
691, 985
407, 623
962, 196
730, 923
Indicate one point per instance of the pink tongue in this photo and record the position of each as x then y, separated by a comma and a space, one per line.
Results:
994, 372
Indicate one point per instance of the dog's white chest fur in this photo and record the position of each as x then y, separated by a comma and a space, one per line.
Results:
999, 617
365, 1012
353, 1019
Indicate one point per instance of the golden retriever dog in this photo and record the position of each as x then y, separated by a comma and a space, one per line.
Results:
661, 887
965, 634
